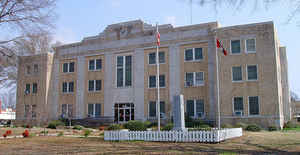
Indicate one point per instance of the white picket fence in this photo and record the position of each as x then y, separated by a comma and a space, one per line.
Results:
210, 136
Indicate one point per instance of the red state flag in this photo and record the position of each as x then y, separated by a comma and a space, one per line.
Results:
158, 38
218, 43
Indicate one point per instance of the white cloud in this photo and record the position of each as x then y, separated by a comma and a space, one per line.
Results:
170, 20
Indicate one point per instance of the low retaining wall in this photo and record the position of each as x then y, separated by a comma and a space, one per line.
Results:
211, 136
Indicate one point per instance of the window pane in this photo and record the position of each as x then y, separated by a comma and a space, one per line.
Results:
71, 86
120, 61
162, 107
188, 55
152, 109
65, 87
91, 85
91, 65
199, 78
70, 110
198, 54
64, 110
152, 81
98, 85
250, 43
71, 69
200, 108
120, 77
238, 104
26, 111
235, 46
128, 71
33, 111
34, 88
190, 108
28, 68
161, 56
65, 67
237, 73
97, 110
189, 77
27, 89
35, 68
90, 110
98, 64
253, 105
252, 72
162, 82
152, 58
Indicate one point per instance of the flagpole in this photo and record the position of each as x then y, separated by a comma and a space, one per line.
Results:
157, 82
218, 86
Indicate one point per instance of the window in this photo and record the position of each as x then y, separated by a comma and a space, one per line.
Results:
193, 54
28, 69
68, 87
152, 81
94, 110
34, 88
94, 85
237, 73
152, 109
235, 46
26, 110
124, 71
252, 72
67, 110
68, 67
253, 105
195, 108
33, 111
250, 45
238, 106
194, 79
152, 57
35, 68
95, 64
27, 89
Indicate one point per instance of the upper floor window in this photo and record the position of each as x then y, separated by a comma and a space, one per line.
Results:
28, 69
152, 57
27, 89
35, 68
237, 73
152, 109
95, 64
195, 108
250, 45
94, 85
34, 88
194, 79
124, 71
253, 105
238, 106
252, 72
69, 67
235, 46
68, 87
152, 81
193, 54
94, 110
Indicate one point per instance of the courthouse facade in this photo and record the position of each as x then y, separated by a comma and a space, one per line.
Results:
113, 75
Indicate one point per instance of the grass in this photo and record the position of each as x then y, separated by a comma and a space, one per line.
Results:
251, 143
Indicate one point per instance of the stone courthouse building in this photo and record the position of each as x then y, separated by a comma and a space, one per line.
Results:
113, 75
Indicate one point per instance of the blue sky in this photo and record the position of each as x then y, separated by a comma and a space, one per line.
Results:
79, 19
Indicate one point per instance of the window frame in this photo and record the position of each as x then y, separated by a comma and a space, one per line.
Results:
94, 110
233, 109
156, 81
36, 90
255, 115
124, 70
155, 58
257, 73
35, 68
236, 81
34, 112
231, 47
95, 64
194, 79
195, 108
27, 84
94, 84
246, 49
194, 55
155, 103
68, 67
68, 87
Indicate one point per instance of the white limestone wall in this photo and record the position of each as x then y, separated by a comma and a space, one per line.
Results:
80, 83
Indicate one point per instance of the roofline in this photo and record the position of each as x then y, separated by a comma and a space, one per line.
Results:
245, 25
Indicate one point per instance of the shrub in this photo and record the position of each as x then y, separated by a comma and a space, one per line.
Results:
77, 127
135, 126
290, 124
60, 134
148, 124
87, 133
241, 125
114, 127
226, 126
168, 127
55, 123
253, 127
272, 128
25, 133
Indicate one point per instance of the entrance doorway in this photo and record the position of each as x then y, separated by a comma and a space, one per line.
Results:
124, 112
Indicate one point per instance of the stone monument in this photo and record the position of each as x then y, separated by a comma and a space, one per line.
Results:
178, 113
